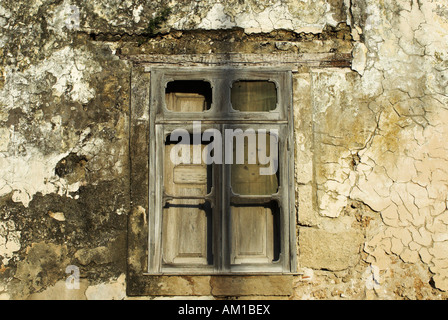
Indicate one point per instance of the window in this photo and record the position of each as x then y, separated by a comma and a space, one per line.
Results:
221, 172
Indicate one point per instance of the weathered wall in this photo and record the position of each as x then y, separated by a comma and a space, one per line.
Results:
380, 153
371, 159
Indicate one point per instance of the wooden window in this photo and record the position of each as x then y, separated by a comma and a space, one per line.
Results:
222, 191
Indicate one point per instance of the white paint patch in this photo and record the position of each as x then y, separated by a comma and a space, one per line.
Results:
66, 16
121, 211
59, 216
70, 67
70, 74
25, 174
4, 139
136, 13
371, 277
115, 289
216, 19
276, 16
359, 57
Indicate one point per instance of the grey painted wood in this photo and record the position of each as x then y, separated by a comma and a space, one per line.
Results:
245, 237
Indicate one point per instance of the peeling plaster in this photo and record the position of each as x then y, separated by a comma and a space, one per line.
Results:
304, 16
68, 66
114, 289
400, 172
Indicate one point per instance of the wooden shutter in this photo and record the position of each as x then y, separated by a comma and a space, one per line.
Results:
186, 222
252, 235
252, 225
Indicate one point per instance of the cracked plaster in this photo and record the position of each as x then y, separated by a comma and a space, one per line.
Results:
400, 171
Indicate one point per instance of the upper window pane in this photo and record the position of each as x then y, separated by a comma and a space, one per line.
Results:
188, 96
255, 164
254, 96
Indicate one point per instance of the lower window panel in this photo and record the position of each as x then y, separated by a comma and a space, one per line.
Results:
187, 233
255, 234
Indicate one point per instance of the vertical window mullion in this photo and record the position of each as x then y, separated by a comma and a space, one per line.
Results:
157, 221
226, 232
217, 214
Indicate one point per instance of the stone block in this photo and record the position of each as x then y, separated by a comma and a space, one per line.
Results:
251, 285
320, 249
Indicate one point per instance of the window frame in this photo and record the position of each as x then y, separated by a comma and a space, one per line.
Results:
163, 120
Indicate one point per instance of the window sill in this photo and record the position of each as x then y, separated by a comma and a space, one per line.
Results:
236, 274
217, 285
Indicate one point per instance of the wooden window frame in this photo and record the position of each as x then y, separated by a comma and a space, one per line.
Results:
221, 115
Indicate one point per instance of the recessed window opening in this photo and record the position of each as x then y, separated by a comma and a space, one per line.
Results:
188, 96
221, 181
254, 96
